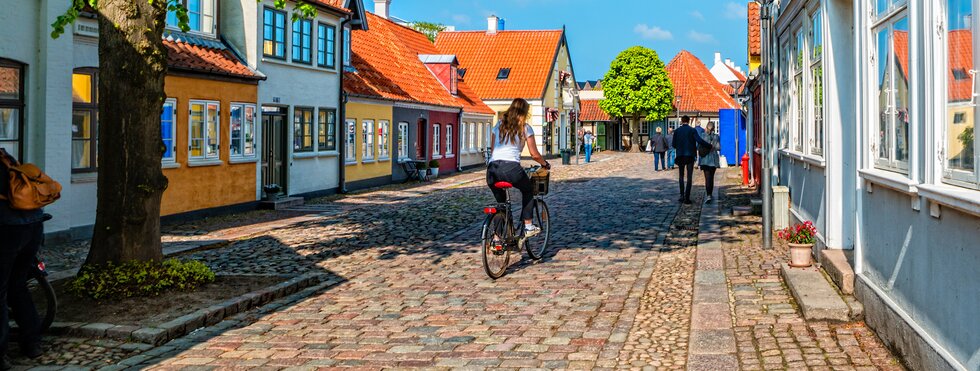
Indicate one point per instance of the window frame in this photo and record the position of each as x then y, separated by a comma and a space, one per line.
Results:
17, 104
330, 128
306, 129
450, 150
799, 93
887, 23
367, 140
817, 113
247, 122
205, 157
347, 47
92, 109
350, 141
275, 22
302, 51
327, 47
384, 136
172, 102
436, 141
403, 138
957, 177
171, 20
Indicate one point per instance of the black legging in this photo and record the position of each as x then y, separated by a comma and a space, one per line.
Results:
511, 172
709, 179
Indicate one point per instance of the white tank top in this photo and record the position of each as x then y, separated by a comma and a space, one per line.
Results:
507, 151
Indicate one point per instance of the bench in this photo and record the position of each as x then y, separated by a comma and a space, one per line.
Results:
414, 171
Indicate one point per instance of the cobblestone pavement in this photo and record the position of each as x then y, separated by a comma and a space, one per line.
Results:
770, 332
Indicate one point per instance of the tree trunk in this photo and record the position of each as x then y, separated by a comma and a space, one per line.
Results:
132, 66
635, 134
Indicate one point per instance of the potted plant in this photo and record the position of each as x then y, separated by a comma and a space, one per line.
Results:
801, 239
434, 168
271, 191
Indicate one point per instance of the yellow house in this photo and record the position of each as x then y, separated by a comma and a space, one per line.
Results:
368, 143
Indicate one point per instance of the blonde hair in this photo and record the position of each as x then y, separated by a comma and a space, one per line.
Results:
659, 130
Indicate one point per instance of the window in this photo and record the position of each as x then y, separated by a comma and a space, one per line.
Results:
200, 16
798, 93
892, 59
436, 153
644, 128
84, 121
350, 150
503, 74
327, 130
326, 46
785, 102
302, 40
449, 140
463, 145
11, 107
242, 130
816, 84
453, 83
274, 33
168, 130
205, 128
960, 139
367, 139
303, 130
402, 141
384, 150
347, 47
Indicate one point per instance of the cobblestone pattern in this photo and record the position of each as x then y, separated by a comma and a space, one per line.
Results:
770, 332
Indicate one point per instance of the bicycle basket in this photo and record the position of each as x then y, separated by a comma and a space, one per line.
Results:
540, 183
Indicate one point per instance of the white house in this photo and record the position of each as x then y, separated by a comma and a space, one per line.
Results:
872, 131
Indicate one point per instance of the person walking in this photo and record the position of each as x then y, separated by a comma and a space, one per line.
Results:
587, 139
659, 143
700, 130
710, 162
686, 142
23, 232
671, 152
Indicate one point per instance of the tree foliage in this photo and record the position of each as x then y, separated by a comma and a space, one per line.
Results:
637, 85
431, 30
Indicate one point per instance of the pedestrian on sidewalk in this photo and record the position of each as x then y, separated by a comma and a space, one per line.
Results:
660, 146
686, 142
671, 152
587, 139
711, 161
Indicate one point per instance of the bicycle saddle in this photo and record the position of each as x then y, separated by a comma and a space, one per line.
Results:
503, 185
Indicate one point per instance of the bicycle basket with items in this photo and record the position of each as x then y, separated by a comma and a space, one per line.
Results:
540, 180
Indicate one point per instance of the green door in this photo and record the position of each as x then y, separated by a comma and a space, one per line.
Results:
600, 135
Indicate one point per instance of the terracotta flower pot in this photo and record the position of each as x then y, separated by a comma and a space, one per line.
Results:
800, 255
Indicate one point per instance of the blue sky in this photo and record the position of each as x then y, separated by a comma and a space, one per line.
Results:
598, 32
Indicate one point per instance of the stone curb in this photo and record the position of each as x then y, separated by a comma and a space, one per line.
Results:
162, 333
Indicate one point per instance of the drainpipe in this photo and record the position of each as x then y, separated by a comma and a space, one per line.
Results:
459, 154
342, 115
766, 125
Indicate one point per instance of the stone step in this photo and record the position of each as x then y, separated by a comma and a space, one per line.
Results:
282, 203
817, 298
837, 265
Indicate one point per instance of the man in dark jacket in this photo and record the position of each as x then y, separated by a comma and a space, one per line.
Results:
22, 233
659, 144
686, 142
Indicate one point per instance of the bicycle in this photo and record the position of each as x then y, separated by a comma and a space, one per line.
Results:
501, 236
41, 289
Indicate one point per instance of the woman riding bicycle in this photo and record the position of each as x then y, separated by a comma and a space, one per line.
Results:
508, 139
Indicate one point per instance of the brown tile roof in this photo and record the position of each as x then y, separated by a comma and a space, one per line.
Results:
960, 64
592, 112
529, 55
755, 29
697, 89
185, 56
388, 67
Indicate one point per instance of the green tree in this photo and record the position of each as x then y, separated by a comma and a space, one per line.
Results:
431, 30
637, 86
132, 67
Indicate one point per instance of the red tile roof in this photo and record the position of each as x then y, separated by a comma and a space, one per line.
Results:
388, 67
592, 112
530, 55
755, 29
961, 59
335, 4
9, 80
697, 89
185, 56
902, 52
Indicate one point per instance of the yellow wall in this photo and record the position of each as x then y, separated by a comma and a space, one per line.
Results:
359, 112
203, 187
953, 131
754, 63
562, 63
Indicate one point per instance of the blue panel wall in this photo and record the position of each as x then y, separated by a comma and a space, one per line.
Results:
731, 127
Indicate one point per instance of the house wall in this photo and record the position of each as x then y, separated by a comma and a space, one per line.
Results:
412, 117
537, 120
447, 162
230, 182
551, 99
368, 172
473, 155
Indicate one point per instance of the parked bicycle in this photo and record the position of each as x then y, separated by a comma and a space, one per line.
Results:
45, 299
502, 236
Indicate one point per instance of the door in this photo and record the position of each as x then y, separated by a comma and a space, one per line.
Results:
421, 137
600, 135
274, 158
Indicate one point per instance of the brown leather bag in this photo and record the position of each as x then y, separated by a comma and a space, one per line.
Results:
30, 188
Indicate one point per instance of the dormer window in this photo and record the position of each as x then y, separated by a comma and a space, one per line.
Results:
454, 80
503, 74
960, 74
461, 73
200, 16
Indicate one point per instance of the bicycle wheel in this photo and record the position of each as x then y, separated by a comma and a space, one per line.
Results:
537, 245
48, 306
496, 255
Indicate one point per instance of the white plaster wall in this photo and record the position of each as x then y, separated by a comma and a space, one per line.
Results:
474, 157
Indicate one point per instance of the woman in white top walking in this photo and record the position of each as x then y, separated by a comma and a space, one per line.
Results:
508, 138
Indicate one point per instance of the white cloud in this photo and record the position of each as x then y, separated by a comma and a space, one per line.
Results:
697, 15
735, 10
702, 37
652, 33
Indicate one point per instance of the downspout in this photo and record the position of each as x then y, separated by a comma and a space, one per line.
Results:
342, 116
767, 118
459, 139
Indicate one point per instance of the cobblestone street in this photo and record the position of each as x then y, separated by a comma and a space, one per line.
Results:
407, 288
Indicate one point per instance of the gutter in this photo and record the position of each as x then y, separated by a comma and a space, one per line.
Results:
342, 116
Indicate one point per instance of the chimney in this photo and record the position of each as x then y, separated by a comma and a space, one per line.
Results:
493, 24
717, 58
728, 62
381, 8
